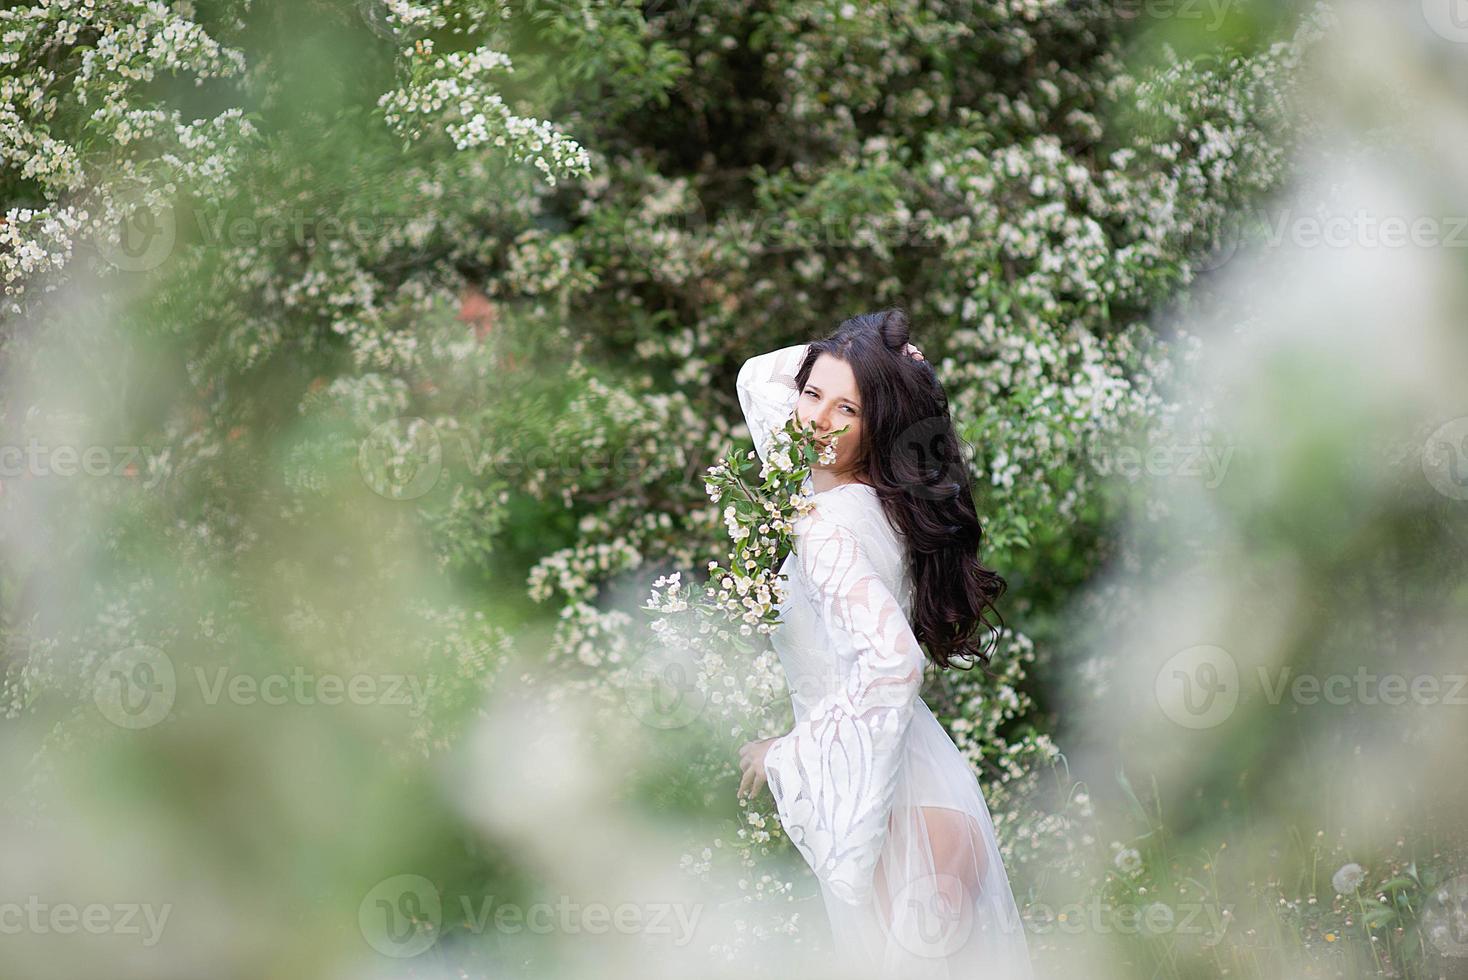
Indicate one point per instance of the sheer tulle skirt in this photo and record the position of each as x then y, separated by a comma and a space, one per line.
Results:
942, 907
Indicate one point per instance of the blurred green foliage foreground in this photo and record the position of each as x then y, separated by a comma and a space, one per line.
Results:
362, 360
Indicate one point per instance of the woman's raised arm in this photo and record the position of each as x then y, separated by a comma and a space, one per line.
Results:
766, 388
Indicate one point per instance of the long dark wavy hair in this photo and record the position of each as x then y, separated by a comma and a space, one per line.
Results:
910, 454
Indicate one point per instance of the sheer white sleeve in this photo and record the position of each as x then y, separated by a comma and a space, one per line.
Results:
834, 775
766, 387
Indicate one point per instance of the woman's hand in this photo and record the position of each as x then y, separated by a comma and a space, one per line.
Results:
752, 766
912, 352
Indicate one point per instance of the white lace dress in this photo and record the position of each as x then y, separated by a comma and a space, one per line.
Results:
868, 785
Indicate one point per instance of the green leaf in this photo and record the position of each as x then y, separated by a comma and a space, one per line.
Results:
1373, 919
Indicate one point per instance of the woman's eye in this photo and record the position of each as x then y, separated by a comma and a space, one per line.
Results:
845, 408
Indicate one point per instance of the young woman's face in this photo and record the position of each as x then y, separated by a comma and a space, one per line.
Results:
830, 401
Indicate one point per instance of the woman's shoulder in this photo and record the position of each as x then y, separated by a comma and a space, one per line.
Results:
848, 527
842, 500
855, 508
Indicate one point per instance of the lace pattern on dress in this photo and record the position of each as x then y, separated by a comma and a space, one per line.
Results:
834, 775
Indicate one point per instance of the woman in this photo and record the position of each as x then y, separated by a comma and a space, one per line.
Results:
868, 786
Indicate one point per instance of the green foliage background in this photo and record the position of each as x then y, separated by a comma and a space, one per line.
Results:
1045, 187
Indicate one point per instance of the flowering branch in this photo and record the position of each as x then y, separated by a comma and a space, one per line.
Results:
760, 514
